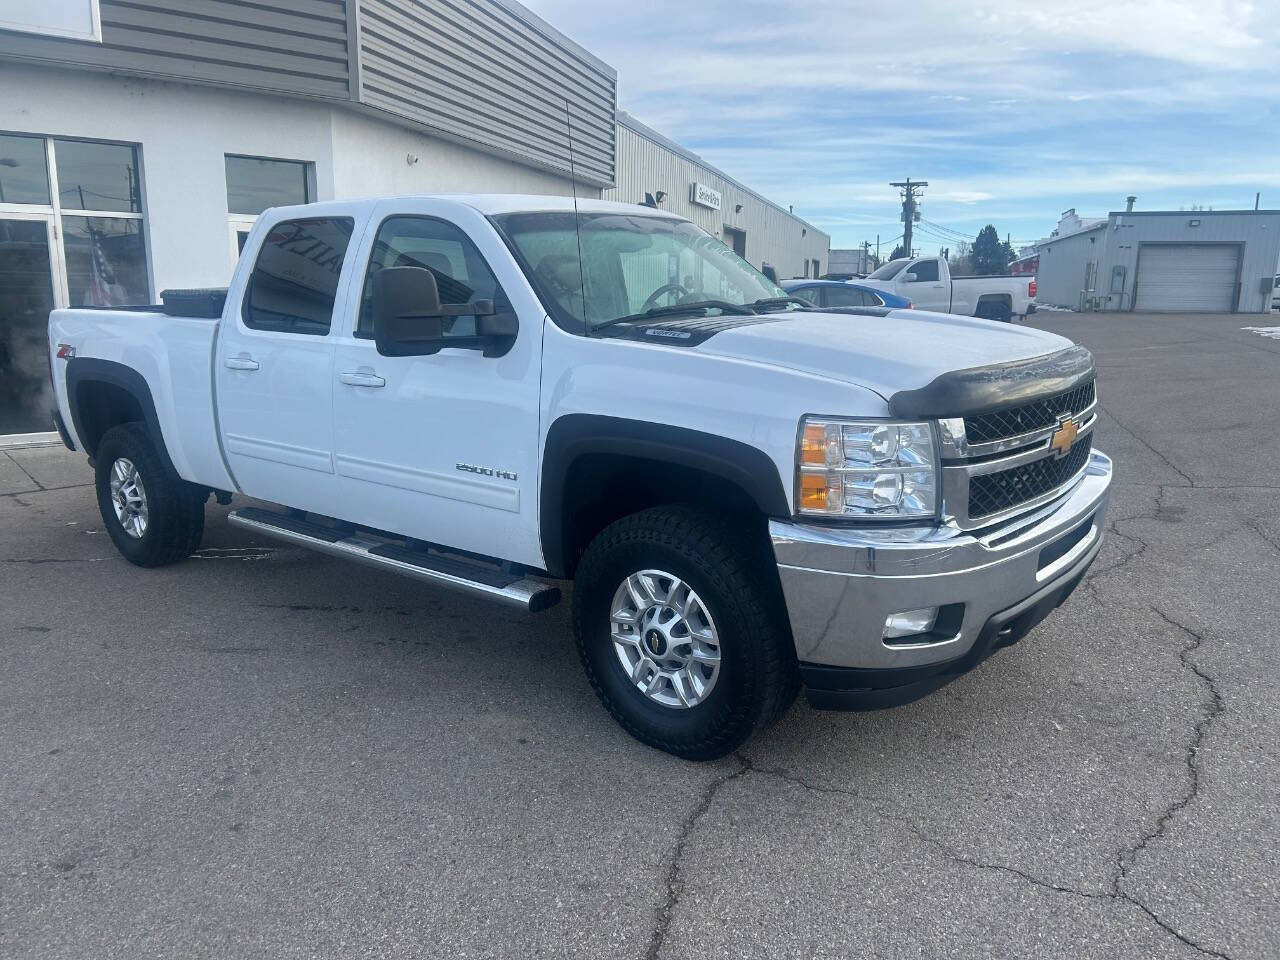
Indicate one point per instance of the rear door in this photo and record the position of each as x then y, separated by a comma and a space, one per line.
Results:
274, 362
444, 447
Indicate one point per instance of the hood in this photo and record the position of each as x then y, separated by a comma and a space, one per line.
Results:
902, 350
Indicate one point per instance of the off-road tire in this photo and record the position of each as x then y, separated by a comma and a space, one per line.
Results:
727, 561
175, 524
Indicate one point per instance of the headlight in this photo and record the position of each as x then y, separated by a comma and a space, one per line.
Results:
871, 469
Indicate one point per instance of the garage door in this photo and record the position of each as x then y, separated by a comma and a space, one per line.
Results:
1188, 277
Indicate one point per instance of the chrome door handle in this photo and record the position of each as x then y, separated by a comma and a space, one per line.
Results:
240, 363
362, 380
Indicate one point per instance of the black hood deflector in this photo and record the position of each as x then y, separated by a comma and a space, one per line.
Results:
996, 387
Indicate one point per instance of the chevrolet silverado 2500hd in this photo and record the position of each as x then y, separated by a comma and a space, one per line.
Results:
495, 394
927, 282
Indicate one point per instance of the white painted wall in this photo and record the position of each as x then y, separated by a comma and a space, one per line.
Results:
185, 132
369, 160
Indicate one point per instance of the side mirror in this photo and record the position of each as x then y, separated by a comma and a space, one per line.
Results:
909, 278
408, 318
406, 312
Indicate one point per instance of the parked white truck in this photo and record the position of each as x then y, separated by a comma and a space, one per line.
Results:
927, 282
749, 494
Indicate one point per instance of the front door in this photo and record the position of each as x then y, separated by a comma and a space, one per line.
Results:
274, 364
27, 294
443, 448
927, 291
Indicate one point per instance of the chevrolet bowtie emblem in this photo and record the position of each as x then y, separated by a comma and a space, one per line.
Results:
1064, 437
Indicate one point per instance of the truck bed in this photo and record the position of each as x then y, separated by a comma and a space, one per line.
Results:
173, 354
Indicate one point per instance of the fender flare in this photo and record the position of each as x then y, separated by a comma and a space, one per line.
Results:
86, 370
579, 434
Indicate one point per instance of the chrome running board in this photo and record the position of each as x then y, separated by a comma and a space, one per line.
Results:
363, 547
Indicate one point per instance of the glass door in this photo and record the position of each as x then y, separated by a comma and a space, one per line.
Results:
27, 294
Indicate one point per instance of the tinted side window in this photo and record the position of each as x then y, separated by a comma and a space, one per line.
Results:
462, 276
295, 279
926, 271
845, 297
812, 294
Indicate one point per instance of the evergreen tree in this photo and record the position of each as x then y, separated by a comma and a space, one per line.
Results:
990, 255
898, 253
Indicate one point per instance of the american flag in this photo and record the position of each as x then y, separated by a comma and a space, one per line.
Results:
103, 291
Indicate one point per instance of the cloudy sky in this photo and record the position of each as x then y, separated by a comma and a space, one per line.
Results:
1013, 111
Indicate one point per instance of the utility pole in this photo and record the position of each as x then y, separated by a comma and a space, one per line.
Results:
866, 255
877, 248
910, 191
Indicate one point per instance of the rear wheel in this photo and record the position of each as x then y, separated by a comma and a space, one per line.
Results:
682, 630
999, 310
153, 516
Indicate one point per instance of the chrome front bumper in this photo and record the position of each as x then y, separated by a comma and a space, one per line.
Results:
842, 583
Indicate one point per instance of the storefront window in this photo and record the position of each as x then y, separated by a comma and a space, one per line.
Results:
106, 261
255, 183
97, 176
89, 205
24, 177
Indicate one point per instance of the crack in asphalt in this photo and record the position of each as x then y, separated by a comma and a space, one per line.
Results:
1163, 459
1213, 707
1114, 894
674, 883
25, 471
1253, 525
1097, 572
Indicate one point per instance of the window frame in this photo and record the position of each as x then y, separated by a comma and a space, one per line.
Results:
246, 295
245, 221
55, 211
359, 282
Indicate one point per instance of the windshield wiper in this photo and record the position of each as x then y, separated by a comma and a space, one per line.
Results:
675, 309
767, 303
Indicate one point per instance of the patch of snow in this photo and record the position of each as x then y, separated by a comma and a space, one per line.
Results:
1050, 308
1272, 332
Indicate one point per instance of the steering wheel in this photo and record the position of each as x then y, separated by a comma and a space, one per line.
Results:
652, 300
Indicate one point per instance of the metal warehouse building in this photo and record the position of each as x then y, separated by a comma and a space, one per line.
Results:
652, 167
1164, 261
140, 139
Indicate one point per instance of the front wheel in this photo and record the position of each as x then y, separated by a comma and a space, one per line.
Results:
153, 516
682, 630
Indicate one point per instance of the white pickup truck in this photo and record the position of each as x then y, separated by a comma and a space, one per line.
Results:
927, 282
749, 494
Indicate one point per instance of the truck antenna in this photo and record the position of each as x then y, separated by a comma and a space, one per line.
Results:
577, 222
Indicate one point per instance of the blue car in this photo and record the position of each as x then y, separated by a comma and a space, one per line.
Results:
840, 293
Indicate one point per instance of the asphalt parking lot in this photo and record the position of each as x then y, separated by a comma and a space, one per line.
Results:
261, 752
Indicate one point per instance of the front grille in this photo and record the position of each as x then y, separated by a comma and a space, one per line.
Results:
994, 493
1035, 415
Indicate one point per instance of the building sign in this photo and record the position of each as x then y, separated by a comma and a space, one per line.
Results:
73, 19
704, 196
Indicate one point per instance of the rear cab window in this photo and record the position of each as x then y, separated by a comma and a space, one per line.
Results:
294, 283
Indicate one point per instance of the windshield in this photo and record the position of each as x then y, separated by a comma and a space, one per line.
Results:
890, 269
630, 264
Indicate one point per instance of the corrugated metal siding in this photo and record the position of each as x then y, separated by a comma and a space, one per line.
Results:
773, 235
1060, 279
1256, 233
474, 71
287, 46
